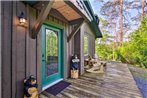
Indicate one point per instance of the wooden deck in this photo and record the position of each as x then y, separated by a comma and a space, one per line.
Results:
117, 82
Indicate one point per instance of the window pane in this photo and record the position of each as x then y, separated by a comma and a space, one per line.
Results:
85, 44
51, 52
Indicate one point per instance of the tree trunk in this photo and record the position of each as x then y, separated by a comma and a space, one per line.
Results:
121, 22
142, 10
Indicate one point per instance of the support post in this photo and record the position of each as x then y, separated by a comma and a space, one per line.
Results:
42, 16
74, 31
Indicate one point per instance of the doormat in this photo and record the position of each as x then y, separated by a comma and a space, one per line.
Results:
57, 88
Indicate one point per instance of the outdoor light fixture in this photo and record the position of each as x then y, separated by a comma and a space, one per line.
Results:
22, 20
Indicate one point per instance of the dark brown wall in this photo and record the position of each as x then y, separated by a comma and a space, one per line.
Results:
0, 59
82, 30
6, 48
77, 45
16, 48
85, 30
91, 39
91, 45
21, 55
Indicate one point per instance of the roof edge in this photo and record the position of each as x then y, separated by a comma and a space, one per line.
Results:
94, 24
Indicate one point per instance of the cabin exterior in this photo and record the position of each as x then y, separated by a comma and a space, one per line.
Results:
54, 31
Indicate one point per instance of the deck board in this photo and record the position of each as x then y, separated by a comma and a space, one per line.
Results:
116, 82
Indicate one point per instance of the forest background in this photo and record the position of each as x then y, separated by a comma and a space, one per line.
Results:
124, 27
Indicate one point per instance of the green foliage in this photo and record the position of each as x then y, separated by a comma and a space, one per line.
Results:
133, 51
104, 51
137, 46
51, 44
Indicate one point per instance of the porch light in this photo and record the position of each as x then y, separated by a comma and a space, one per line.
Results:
22, 19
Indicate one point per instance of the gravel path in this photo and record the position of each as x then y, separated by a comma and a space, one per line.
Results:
140, 76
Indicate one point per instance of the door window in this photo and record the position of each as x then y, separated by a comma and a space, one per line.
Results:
51, 52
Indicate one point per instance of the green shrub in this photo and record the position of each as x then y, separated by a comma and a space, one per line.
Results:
133, 51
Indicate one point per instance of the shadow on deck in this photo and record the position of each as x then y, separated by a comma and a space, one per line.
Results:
117, 82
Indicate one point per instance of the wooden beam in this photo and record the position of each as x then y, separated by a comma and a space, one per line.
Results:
58, 15
76, 9
74, 31
42, 16
76, 21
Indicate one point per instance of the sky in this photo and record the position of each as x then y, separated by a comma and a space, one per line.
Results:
96, 6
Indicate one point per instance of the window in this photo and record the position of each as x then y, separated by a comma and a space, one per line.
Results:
85, 44
51, 52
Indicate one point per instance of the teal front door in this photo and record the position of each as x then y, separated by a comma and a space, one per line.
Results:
52, 56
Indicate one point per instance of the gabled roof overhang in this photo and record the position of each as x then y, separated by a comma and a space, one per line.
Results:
94, 23
78, 9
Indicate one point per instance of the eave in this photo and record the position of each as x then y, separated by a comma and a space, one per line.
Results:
93, 24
